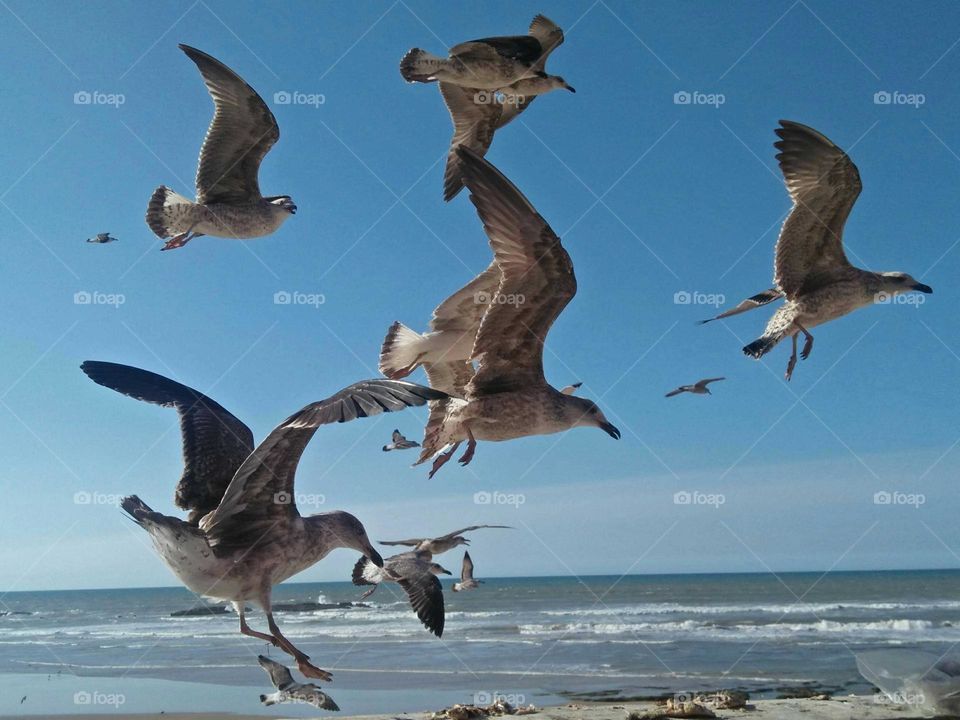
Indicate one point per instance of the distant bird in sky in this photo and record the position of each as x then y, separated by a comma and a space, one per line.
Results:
508, 310
698, 388
288, 690
229, 203
417, 575
467, 581
245, 532
486, 84
102, 238
399, 442
810, 266
439, 545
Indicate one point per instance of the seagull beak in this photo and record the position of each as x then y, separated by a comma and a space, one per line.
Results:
610, 429
920, 287
446, 572
374, 557
293, 209
570, 88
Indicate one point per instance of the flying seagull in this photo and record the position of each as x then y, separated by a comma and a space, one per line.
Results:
417, 575
524, 290
245, 533
486, 84
399, 442
439, 545
466, 576
229, 203
811, 269
102, 238
698, 388
288, 690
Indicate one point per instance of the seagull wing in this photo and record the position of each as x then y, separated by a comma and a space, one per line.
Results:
279, 674
397, 437
536, 284
548, 34
412, 542
240, 135
215, 442
824, 184
706, 381
260, 496
424, 591
475, 115
754, 301
466, 572
522, 48
681, 389
453, 534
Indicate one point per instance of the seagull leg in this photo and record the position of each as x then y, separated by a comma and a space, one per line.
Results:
807, 342
471, 449
178, 241
369, 592
442, 460
793, 359
303, 660
247, 630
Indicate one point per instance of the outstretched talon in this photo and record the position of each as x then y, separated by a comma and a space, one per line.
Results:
471, 449
793, 361
177, 241
441, 460
807, 342
312, 671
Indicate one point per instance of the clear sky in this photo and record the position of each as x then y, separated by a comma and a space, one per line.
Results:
651, 197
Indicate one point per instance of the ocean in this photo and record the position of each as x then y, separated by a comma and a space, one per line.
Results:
533, 640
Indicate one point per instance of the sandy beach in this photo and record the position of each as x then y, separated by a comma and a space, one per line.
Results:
847, 708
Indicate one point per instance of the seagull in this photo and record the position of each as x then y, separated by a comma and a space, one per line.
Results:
440, 545
811, 269
245, 533
102, 238
466, 576
506, 396
399, 442
417, 575
229, 203
752, 302
288, 690
698, 388
480, 106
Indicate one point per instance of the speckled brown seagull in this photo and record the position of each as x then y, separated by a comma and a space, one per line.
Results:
507, 396
486, 84
467, 581
698, 388
439, 545
245, 533
229, 203
810, 266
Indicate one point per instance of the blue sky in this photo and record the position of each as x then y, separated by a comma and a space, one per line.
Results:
652, 198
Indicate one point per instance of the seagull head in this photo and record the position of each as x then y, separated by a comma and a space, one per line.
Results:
438, 569
586, 412
348, 532
894, 283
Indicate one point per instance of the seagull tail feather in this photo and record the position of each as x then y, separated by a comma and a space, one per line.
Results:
162, 211
358, 578
760, 347
420, 66
400, 352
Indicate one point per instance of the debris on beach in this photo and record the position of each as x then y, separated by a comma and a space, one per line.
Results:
675, 708
473, 712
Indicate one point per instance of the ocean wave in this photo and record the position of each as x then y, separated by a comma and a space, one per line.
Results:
799, 608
